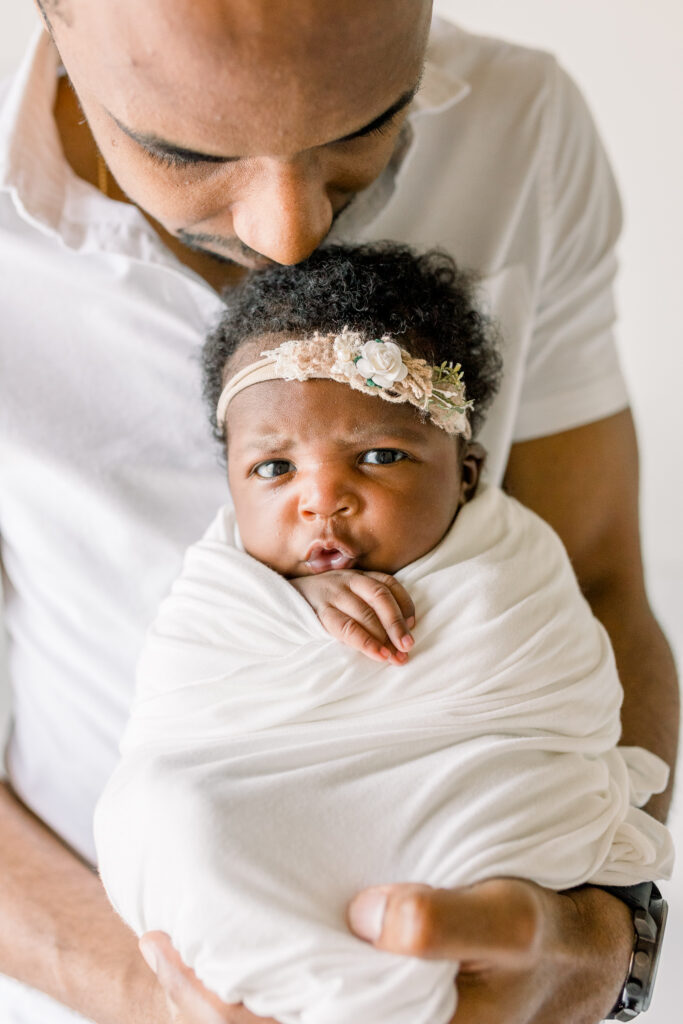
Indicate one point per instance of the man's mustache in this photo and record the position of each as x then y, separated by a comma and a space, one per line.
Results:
233, 249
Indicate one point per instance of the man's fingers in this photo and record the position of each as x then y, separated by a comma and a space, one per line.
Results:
496, 923
391, 604
189, 1001
187, 997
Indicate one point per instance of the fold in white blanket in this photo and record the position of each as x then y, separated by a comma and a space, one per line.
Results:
268, 773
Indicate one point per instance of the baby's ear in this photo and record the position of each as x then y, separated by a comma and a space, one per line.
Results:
473, 459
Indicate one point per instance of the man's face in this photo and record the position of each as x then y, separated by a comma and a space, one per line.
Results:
244, 126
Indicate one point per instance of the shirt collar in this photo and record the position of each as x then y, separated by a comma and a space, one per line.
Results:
44, 189
48, 194
32, 166
439, 88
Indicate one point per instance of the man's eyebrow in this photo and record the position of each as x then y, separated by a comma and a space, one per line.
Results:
154, 143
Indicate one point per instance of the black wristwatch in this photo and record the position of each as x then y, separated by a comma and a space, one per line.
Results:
649, 919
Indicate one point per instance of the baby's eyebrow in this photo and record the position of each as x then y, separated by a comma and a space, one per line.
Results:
362, 434
269, 442
378, 433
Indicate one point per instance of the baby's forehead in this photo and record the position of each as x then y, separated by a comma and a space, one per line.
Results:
250, 351
278, 413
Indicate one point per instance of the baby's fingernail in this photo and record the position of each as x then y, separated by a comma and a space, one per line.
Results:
407, 642
410, 621
401, 657
384, 652
150, 956
366, 914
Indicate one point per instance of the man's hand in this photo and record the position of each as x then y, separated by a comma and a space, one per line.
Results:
189, 1002
526, 955
369, 611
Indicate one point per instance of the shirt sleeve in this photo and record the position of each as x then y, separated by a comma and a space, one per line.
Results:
572, 374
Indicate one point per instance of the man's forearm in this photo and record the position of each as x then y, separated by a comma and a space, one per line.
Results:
58, 931
651, 709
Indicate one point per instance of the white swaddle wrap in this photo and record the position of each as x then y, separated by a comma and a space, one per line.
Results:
268, 772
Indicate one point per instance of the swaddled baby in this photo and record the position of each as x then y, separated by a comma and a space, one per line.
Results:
301, 730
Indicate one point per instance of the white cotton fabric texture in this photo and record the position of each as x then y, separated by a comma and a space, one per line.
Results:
268, 772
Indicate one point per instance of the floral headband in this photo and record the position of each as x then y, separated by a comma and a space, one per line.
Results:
378, 367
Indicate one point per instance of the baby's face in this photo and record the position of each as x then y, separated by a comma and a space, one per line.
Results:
324, 477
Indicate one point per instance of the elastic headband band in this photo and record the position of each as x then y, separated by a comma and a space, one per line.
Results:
254, 373
379, 368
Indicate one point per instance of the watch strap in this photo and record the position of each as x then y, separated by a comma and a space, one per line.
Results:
649, 919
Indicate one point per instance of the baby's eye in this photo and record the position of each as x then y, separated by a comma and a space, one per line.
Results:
382, 456
272, 468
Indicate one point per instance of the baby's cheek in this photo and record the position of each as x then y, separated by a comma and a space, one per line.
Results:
268, 542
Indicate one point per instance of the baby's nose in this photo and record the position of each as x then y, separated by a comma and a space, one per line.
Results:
325, 495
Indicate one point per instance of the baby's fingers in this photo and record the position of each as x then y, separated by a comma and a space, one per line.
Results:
358, 628
391, 604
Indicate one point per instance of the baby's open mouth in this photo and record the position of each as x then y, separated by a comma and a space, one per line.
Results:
325, 555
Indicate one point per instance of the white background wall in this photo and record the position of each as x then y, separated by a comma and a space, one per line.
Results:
626, 55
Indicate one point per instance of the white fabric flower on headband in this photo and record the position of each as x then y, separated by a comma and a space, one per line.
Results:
381, 363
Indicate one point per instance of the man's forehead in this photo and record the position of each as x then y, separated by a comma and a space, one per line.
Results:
221, 63
314, 34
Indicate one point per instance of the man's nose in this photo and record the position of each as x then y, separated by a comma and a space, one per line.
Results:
325, 494
285, 211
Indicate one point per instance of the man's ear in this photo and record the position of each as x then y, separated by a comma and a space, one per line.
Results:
472, 464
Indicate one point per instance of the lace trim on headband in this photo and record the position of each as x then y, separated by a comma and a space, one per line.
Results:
378, 367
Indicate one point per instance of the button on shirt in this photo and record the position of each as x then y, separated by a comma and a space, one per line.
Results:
107, 466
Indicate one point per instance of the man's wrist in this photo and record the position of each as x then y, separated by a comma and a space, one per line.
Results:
592, 952
649, 911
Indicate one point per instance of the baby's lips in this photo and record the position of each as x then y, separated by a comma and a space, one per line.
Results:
322, 556
330, 559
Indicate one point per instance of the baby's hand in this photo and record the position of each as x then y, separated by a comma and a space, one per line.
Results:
369, 611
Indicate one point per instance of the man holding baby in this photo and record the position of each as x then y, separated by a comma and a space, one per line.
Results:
158, 154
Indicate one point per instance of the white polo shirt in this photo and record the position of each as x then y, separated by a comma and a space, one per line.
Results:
107, 466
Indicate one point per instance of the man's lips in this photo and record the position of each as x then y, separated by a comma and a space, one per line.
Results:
324, 555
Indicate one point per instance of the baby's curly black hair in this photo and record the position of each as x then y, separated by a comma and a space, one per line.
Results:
423, 300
